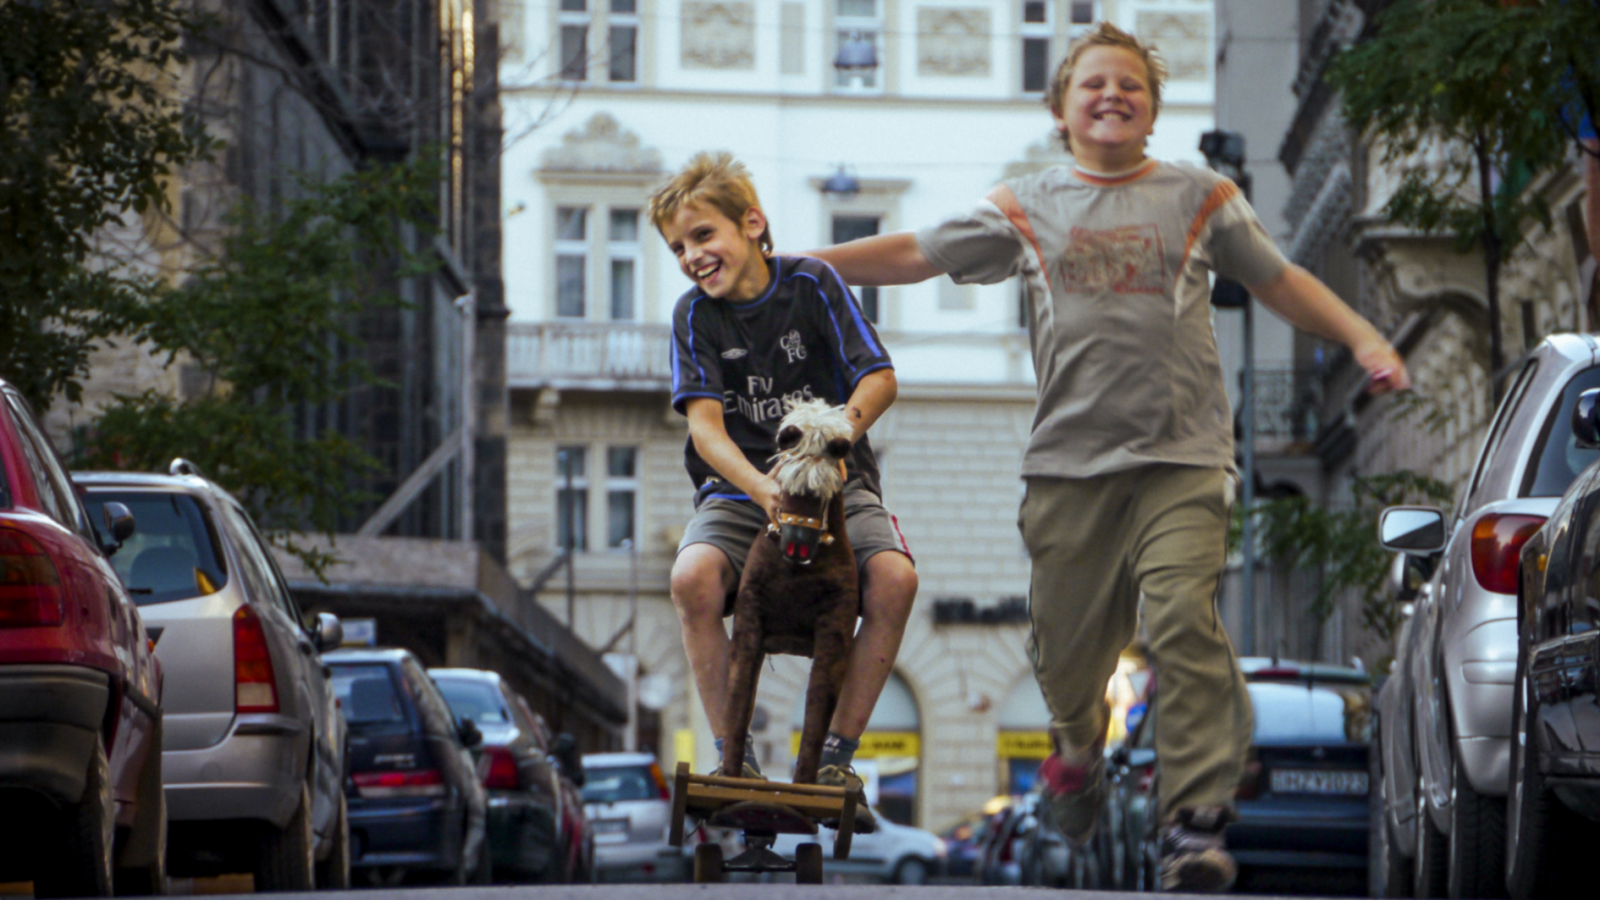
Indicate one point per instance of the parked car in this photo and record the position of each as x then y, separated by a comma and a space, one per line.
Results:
892, 854
1048, 859
80, 690
1001, 859
962, 842
253, 744
417, 805
1555, 731
1444, 715
629, 805
536, 829
1302, 798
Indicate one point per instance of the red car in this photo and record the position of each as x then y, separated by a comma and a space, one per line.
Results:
80, 689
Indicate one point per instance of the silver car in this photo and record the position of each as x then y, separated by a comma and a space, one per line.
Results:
253, 750
628, 804
1444, 715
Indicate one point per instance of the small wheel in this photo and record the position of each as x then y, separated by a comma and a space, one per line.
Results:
808, 863
708, 863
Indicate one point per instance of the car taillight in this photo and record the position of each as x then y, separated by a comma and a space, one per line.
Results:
502, 775
255, 689
413, 783
30, 586
661, 782
1250, 781
1147, 780
1497, 549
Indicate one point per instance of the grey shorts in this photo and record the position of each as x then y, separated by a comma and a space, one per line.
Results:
733, 525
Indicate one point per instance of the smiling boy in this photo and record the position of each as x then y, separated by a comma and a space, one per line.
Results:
756, 332
1129, 469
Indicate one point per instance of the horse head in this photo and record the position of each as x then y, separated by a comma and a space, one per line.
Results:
813, 441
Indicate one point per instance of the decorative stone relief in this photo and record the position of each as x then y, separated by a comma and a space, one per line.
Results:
953, 42
1183, 40
718, 35
601, 145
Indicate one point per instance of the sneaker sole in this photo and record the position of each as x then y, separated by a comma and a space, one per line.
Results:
1207, 872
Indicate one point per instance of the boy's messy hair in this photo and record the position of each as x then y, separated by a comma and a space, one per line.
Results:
1106, 35
715, 179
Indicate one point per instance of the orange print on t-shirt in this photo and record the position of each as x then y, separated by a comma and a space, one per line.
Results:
1124, 260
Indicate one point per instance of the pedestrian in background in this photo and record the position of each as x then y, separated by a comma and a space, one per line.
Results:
1129, 469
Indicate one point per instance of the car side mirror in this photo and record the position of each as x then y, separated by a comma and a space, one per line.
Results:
469, 733
1411, 529
119, 524
1585, 425
565, 750
329, 632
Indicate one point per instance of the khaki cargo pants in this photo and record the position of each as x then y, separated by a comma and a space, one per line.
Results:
1097, 545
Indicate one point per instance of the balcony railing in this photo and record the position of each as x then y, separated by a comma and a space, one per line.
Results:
1286, 405
585, 355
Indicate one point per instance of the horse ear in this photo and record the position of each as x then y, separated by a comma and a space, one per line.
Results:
788, 437
839, 448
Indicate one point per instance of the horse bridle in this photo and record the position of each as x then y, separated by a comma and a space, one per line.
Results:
798, 536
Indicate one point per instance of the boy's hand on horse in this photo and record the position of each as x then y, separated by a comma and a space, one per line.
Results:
766, 494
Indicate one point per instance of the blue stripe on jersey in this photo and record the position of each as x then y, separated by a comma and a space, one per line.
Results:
771, 286
855, 313
727, 497
869, 370
843, 354
694, 355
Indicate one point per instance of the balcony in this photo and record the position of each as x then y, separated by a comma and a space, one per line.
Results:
622, 356
1286, 402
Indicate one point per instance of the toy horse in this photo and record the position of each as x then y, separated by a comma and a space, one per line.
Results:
800, 593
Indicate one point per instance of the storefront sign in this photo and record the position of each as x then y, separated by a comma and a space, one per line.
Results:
1023, 744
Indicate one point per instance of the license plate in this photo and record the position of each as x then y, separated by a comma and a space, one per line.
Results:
611, 826
1319, 781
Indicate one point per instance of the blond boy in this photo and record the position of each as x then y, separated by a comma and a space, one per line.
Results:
755, 331
1129, 469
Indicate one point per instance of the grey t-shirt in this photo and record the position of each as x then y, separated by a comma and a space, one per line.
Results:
1120, 314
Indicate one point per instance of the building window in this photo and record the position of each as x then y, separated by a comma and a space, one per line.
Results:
849, 228
572, 253
623, 249
572, 498
574, 24
858, 20
1035, 33
1084, 14
623, 28
622, 493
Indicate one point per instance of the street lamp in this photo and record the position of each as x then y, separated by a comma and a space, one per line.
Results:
841, 185
857, 55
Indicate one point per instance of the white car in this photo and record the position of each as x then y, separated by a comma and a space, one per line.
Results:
896, 854
628, 803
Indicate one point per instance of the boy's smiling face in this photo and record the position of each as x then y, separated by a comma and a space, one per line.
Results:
722, 257
1107, 109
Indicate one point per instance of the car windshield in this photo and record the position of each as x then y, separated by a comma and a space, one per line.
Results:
1557, 458
614, 784
1301, 712
472, 699
366, 694
173, 553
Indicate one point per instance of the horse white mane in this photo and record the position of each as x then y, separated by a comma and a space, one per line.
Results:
806, 468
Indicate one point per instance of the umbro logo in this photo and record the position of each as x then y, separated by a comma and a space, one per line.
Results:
735, 354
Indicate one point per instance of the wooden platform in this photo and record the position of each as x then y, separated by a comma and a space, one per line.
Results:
755, 806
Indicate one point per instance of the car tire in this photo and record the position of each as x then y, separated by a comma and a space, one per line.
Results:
1429, 872
286, 859
483, 872
1544, 839
1476, 866
333, 872
144, 853
1388, 873
911, 871
81, 865
808, 863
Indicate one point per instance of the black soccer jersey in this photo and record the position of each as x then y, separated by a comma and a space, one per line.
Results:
804, 339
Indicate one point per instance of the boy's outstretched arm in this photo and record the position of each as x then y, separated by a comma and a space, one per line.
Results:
873, 394
711, 441
882, 259
1308, 304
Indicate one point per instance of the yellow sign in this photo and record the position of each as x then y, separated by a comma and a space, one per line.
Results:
876, 743
683, 746
1023, 744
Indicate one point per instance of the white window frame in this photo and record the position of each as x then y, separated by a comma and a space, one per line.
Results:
629, 251
615, 20
874, 314
582, 531
1076, 30
844, 28
615, 484
578, 248
574, 19
1035, 31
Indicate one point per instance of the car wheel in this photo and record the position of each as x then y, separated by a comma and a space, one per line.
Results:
1476, 867
1544, 839
144, 855
81, 866
333, 873
1388, 873
483, 872
286, 859
1428, 869
911, 871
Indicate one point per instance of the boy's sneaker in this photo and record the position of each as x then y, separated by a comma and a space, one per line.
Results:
839, 776
1074, 794
1193, 858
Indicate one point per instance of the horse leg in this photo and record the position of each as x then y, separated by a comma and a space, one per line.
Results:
830, 661
744, 671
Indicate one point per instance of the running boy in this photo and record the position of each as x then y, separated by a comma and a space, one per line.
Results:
1129, 469
755, 332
